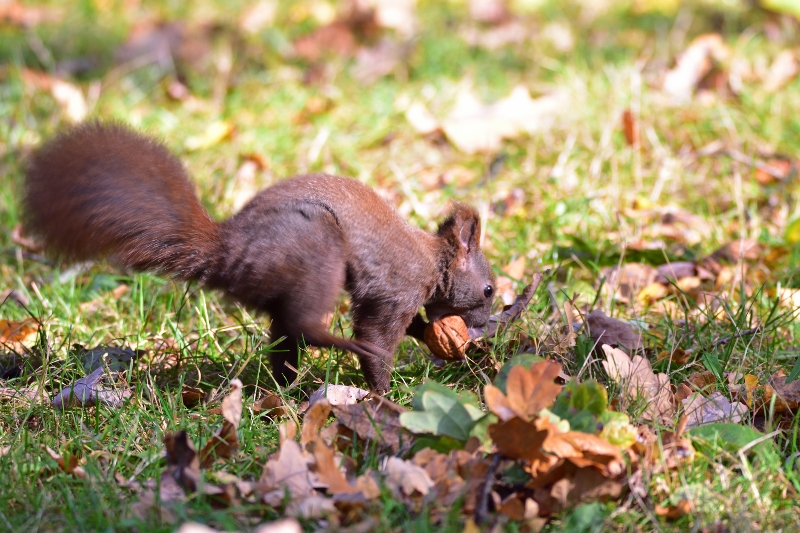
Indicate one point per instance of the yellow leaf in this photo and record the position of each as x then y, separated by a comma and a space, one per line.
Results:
793, 232
214, 134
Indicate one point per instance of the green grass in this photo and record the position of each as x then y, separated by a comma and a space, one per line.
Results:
573, 223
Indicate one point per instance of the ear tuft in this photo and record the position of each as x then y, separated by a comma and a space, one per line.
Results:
462, 227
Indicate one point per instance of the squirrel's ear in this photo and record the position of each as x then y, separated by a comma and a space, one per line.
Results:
462, 227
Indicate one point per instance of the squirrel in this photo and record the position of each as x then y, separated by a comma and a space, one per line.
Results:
101, 189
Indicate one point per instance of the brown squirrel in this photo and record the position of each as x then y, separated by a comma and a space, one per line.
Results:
102, 189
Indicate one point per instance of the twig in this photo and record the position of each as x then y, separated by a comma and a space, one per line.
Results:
482, 510
736, 155
729, 338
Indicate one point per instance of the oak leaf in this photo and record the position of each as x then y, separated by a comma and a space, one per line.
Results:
528, 391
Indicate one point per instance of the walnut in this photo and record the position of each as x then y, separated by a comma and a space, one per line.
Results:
447, 338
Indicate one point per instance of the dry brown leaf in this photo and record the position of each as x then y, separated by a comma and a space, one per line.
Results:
630, 127
782, 169
640, 385
682, 508
25, 15
258, 16
678, 356
99, 387
488, 11
192, 396
314, 419
404, 477
626, 281
671, 272
378, 61
504, 285
713, 408
286, 525
70, 466
496, 37
338, 395
516, 438
271, 405
606, 330
515, 508
183, 465
214, 134
652, 293
16, 336
377, 421
693, 65
747, 249
287, 470
528, 391
27, 395
313, 507
447, 338
225, 442
783, 70
474, 127
786, 395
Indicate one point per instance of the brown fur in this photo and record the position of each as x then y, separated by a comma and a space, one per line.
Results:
103, 190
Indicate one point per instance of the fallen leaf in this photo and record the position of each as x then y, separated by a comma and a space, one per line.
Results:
191, 396
287, 470
694, 64
214, 133
421, 119
504, 285
28, 395
678, 356
376, 421
606, 330
225, 442
640, 385
70, 98
630, 127
780, 169
783, 70
258, 16
16, 336
338, 395
287, 525
497, 36
27, 16
474, 127
313, 507
488, 11
399, 15
713, 408
528, 391
786, 395
378, 61
183, 465
68, 466
626, 281
89, 391
404, 477
683, 507
447, 338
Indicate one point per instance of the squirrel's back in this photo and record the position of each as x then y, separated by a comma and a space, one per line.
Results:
101, 189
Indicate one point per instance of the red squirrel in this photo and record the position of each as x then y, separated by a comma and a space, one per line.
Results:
104, 190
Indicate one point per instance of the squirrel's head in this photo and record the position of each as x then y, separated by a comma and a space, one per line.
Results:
466, 281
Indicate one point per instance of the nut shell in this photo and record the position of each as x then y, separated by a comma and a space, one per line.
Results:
447, 338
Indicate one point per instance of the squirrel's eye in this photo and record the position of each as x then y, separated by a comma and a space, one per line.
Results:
488, 290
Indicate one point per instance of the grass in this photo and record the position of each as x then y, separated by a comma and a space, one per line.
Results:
579, 183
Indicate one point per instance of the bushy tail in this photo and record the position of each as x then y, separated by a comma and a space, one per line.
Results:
100, 190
